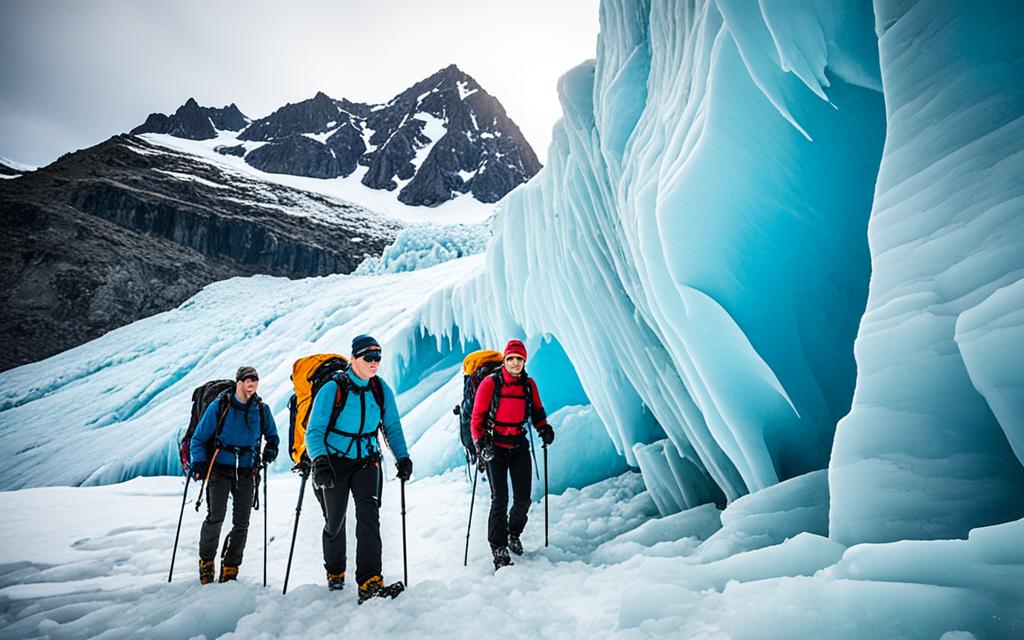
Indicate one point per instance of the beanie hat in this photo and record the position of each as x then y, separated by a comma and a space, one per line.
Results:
363, 343
515, 348
246, 372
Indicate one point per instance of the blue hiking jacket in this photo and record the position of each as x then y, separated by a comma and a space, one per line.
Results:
361, 408
241, 429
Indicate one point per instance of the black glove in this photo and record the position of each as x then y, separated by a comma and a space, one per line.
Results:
404, 468
269, 453
323, 473
547, 434
199, 469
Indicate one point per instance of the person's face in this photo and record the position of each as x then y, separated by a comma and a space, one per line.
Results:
247, 387
366, 365
515, 365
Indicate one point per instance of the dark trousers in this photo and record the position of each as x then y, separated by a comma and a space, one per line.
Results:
364, 480
242, 490
514, 463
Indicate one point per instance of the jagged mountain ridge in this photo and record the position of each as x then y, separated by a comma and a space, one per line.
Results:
442, 137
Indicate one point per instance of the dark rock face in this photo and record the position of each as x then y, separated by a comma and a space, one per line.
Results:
111, 234
193, 122
441, 137
9, 171
231, 150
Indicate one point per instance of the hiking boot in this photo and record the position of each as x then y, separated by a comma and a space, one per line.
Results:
228, 573
501, 557
375, 588
205, 571
515, 545
335, 581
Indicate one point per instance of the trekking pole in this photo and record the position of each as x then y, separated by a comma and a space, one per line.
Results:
545, 447
184, 499
405, 559
304, 472
209, 468
266, 476
465, 559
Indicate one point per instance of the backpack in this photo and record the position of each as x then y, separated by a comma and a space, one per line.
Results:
202, 397
475, 367
309, 374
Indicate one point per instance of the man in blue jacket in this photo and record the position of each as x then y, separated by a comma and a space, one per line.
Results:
227, 452
348, 413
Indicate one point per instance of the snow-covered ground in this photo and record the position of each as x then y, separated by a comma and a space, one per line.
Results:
89, 562
461, 210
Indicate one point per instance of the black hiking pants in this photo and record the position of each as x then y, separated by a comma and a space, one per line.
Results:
508, 463
364, 480
222, 482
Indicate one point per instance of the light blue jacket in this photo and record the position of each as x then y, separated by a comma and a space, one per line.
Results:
361, 413
241, 429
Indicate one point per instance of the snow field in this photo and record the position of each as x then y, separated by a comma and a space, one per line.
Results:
101, 572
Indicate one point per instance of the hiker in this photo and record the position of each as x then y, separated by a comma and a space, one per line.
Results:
505, 402
225, 451
342, 442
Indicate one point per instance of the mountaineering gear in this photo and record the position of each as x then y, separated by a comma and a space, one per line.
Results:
237, 434
269, 453
308, 375
545, 447
241, 489
200, 469
228, 573
405, 555
335, 581
503, 407
266, 508
501, 557
472, 500
206, 478
363, 478
362, 344
205, 571
475, 367
501, 521
515, 545
374, 588
246, 372
404, 469
323, 474
484, 451
202, 397
547, 434
177, 533
347, 415
515, 348
302, 470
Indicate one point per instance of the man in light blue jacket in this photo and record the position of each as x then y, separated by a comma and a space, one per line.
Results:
349, 413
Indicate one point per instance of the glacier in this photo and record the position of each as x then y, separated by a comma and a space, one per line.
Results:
772, 285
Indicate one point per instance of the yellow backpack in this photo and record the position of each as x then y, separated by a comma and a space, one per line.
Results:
308, 375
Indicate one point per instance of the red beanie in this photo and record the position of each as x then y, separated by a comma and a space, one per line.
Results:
515, 347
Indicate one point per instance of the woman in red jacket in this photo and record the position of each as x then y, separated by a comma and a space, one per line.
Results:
506, 402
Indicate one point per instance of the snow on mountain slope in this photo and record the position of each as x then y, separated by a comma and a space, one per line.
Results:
349, 188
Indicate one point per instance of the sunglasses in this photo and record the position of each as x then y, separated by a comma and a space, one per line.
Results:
371, 357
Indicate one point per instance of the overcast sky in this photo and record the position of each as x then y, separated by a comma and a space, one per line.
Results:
75, 72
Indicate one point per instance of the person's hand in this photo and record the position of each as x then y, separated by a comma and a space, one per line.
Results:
269, 454
323, 473
199, 469
404, 469
547, 434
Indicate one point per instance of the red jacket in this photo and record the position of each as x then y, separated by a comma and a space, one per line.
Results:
511, 407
